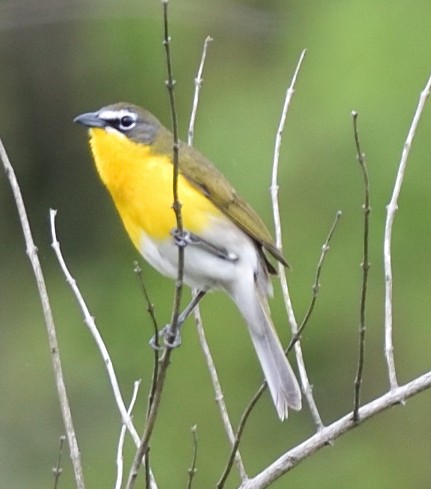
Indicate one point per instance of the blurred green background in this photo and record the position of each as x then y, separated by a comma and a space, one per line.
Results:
58, 59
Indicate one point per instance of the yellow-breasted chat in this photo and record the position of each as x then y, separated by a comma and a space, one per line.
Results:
224, 240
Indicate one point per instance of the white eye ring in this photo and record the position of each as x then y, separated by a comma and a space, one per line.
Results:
126, 122
120, 120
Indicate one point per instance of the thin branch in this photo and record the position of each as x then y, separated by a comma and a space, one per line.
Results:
293, 341
147, 469
274, 185
57, 470
156, 352
316, 284
170, 84
218, 391
387, 245
150, 306
306, 387
365, 268
238, 436
150, 310
151, 420
330, 433
122, 437
193, 470
90, 322
219, 397
198, 85
49, 320
165, 360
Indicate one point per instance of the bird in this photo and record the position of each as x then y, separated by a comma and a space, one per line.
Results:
226, 244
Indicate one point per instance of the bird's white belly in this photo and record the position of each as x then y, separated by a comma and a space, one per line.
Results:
204, 269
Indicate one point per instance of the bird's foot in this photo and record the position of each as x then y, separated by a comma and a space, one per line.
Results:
183, 238
169, 340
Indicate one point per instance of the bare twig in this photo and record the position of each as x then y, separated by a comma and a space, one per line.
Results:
198, 85
57, 470
150, 306
152, 415
156, 351
306, 387
391, 209
193, 470
151, 420
235, 455
274, 185
197, 315
365, 268
120, 464
238, 436
316, 284
176, 205
150, 309
49, 320
330, 433
219, 397
147, 470
89, 321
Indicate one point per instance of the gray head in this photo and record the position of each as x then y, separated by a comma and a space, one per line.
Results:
125, 119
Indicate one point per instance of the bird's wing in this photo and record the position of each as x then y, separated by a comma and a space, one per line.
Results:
201, 173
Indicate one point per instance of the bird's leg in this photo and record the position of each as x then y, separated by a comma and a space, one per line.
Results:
185, 238
165, 333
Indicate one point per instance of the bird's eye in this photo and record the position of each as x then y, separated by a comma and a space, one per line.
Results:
126, 122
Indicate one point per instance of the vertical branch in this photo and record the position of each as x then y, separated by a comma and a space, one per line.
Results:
218, 391
365, 268
198, 85
150, 310
274, 185
156, 352
57, 470
170, 84
306, 387
193, 469
49, 321
387, 244
149, 478
152, 414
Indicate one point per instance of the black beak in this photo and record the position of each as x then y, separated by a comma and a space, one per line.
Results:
90, 119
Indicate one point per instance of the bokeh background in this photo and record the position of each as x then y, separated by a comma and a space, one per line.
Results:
61, 58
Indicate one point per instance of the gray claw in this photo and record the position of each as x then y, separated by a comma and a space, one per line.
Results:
168, 340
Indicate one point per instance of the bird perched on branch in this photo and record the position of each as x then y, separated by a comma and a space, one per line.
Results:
225, 242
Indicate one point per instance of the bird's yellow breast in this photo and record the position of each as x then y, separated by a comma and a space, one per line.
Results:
141, 185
